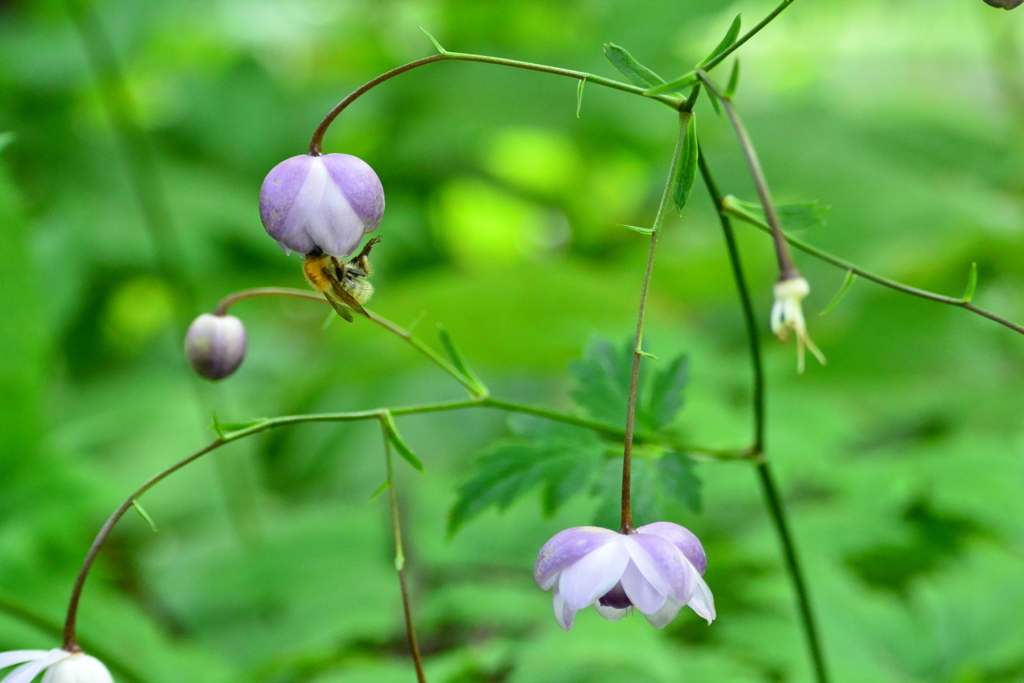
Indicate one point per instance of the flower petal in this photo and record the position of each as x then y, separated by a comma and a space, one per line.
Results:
702, 602
19, 656
566, 548
663, 616
78, 668
682, 538
611, 613
282, 214
663, 565
564, 614
644, 596
26, 672
360, 185
331, 222
594, 574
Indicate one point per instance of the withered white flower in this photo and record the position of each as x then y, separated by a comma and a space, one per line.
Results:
788, 316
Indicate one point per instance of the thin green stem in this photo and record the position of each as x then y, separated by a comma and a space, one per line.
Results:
634, 376
747, 36
746, 303
765, 479
474, 387
729, 206
778, 514
787, 269
396, 527
316, 143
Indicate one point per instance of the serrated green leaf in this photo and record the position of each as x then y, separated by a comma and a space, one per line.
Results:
144, 515
678, 481
734, 80
848, 281
634, 71
602, 381
795, 216
666, 394
433, 40
561, 462
686, 170
6, 138
972, 284
458, 360
683, 81
396, 440
730, 37
579, 96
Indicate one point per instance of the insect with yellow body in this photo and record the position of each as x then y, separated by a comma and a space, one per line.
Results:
343, 284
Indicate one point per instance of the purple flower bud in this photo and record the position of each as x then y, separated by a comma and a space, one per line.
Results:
327, 201
215, 345
1005, 4
657, 570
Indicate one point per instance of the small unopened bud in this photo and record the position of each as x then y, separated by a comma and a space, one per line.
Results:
215, 345
1005, 4
327, 202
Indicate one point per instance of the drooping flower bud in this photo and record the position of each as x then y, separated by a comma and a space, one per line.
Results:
215, 345
327, 201
1005, 4
79, 668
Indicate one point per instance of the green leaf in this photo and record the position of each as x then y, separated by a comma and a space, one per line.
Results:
972, 284
601, 388
579, 95
558, 459
686, 170
145, 515
795, 216
734, 80
6, 139
843, 289
385, 485
730, 37
225, 430
634, 71
666, 395
679, 483
437, 45
396, 440
683, 81
458, 360
217, 428
602, 381
636, 228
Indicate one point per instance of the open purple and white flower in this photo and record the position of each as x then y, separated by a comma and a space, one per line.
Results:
60, 666
788, 316
657, 570
323, 202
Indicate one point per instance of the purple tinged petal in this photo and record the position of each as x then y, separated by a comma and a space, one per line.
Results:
278, 194
594, 574
644, 596
360, 185
682, 538
566, 548
564, 614
662, 564
215, 345
323, 211
702, 602
663, 616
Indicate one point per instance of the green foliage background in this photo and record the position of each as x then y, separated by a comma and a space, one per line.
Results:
902, 460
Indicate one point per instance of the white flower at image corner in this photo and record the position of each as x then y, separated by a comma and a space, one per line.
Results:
60, 666
788, 316
657, 570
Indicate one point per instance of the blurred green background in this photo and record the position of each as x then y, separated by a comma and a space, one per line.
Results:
902, 460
